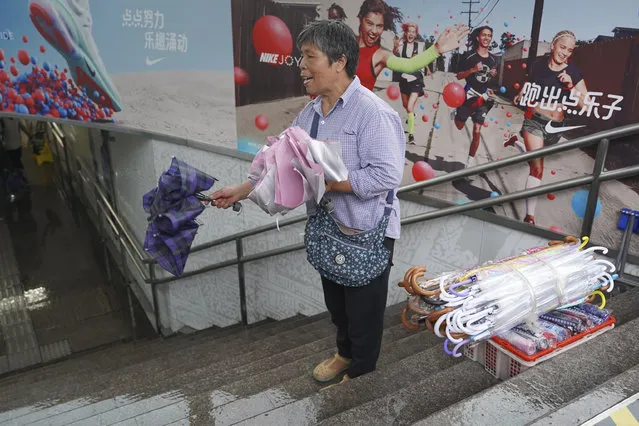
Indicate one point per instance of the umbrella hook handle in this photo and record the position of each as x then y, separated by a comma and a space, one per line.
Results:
237, 206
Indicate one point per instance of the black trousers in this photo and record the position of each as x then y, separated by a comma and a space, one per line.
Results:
358, 313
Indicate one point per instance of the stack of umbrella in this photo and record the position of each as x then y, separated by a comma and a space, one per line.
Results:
292, 169
476, 304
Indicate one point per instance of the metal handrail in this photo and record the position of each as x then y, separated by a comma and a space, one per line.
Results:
449, 177
597, 176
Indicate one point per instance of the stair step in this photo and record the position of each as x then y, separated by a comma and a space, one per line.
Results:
179, 363
301, 394
258, 391
417, 400
596, 401
539, 391
106, 359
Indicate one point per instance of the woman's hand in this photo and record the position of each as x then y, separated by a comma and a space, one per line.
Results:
451, 38
225, 197
566, 79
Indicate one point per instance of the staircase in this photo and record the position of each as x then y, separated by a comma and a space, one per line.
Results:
261, 375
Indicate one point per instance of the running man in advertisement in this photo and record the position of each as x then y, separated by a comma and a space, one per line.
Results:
554, 86
375, 17
478, 66
411, 85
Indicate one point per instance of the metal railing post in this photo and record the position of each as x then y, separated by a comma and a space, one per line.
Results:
154, 295
593, 194
240, 278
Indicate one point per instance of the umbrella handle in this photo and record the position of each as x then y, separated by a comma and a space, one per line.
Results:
237, 207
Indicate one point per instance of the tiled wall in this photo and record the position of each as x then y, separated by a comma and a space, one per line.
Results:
281, 286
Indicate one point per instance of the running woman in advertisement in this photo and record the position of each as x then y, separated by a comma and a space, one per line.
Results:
554, 86
478, 67
411, 85
375, 17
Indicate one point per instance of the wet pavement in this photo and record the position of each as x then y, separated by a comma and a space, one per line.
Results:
55, 299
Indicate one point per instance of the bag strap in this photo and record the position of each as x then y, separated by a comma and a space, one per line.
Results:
315, 125
391, 194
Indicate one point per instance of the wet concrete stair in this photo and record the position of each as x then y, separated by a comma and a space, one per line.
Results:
261, 375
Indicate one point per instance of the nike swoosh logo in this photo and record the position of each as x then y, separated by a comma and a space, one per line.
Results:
150, 62
551, 129
91, 71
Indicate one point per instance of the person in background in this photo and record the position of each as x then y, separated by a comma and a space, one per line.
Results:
373, 146
479, 67
550, 74
411, 85
376, 16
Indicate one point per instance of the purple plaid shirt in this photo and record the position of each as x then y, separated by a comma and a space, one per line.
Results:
373, 146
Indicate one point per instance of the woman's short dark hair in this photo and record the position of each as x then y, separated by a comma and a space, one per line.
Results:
335, 39
390, 14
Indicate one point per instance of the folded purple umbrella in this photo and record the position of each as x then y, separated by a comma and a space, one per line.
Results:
172, 208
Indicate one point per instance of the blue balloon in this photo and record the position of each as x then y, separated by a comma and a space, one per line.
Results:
579, 201
34, 60
502, 51
436, 125
46, 66
502, 89
63, 112
494, 194
492, 118
1, 65
508, 124
96, 94
505, 24
421, 106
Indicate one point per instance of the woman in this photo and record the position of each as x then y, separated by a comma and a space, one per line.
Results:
375, 17
552, 75
411, 85
372, 140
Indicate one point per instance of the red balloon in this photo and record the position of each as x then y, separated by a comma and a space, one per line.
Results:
23, 57
241, 76
42, 49
261, 122
422, 171
14, 70
508, 66
435, 106
523, 65
392, 92
486, 124
551, 196
1, 55
424, 118
525, 49
509, 114
271, 35
425, 95
516, 86
454, 95
552, 172
25, 39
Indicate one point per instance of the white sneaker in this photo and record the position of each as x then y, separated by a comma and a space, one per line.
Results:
66, 25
